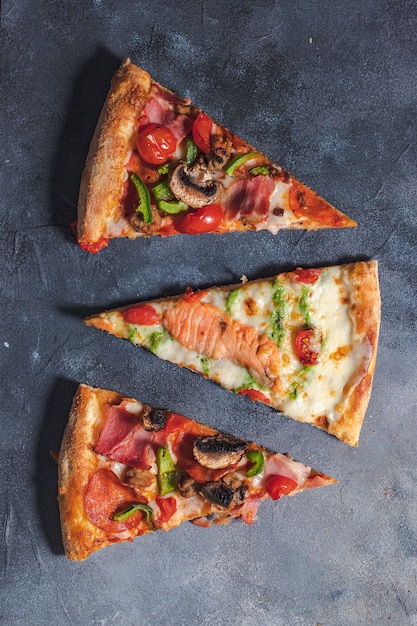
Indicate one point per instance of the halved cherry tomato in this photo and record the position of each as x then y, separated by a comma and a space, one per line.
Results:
205, 220
167, 506
277, 486
304, 347
156, 143
255, 394
201, 132
308, 276
143, 315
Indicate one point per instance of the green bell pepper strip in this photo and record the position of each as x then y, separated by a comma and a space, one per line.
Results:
257, 458
132, 508
260, 170
173, 207
162, 191
191, 151
230, 300
167, 167
303, 305
239, 160
167, 473
144, 206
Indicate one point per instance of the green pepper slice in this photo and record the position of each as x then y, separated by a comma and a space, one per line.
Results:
167, 167
191, 151
230, 300
167, 473
173, 207
257, 458
162, 191
239, 160
260, 170
132, 508
144, 206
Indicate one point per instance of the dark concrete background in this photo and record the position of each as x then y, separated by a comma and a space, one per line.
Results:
326, 89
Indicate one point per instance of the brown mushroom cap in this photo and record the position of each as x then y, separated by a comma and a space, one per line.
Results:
218, 451
195, 185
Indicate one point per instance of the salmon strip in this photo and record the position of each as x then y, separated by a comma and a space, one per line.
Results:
209, 331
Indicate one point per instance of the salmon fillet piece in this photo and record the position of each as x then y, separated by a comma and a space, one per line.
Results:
209, 331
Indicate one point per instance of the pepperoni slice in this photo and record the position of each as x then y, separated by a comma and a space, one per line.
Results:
106, 495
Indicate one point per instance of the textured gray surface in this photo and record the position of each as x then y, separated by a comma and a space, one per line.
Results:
328, 90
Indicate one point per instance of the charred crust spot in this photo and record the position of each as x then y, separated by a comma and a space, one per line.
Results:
278, 211
301, 200
251, 306
322, 422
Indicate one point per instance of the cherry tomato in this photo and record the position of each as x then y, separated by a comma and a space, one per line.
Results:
277, 486
205, 220
308, 276
255, 394
156, 144
143, 315
304, 347
167, 506
201, 132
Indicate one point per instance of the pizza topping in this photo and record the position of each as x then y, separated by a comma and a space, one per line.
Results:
207, 219
142, 315
307, 347
308, 276
277, 486
191, 151
167, 507
144, 206
195, 185
106, 496
154, 419
125, 513
239, 160
167, 473
156, 144
223, 495
249, 197
172, 208
258, 461
218, 451
208, 330
201, 132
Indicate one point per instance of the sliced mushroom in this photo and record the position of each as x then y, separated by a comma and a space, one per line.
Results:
153, 419
218, 492
195, 185
218, 451
187, 486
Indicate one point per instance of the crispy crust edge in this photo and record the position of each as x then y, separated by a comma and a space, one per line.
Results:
76, 463
113, 139
366, 313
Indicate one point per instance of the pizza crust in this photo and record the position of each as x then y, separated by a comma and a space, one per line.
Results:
76, 463
366, 312
112, 144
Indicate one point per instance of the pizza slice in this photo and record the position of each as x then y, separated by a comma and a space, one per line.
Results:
159, 166
126, 469
303, 342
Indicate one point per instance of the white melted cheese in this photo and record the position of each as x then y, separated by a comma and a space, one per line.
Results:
307, 393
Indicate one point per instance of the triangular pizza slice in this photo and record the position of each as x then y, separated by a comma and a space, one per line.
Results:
126, 469
303, 342
159, 166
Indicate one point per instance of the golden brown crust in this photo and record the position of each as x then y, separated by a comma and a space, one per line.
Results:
76, 463
366, 313
112, 143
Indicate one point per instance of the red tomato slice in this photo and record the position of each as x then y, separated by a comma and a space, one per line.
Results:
207, 219
167, 507
156, 143
304, 347
143, 315
308, 276
277, 486
201, 132
255, 394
